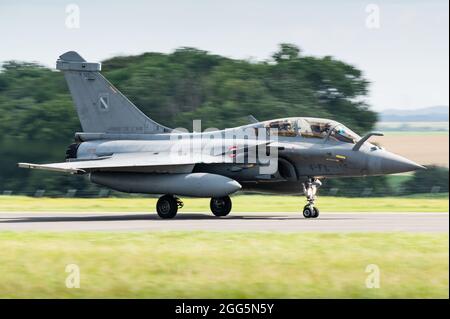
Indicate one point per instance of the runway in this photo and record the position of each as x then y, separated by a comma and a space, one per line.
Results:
279, 222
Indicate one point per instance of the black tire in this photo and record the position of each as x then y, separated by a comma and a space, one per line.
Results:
220, 206
167, 207
316, 212
308, 212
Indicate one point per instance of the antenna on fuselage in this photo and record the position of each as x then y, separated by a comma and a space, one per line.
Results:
252, 119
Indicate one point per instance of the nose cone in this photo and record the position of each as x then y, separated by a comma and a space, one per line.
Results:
388, 163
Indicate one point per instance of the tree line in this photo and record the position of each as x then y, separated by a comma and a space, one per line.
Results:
38, 119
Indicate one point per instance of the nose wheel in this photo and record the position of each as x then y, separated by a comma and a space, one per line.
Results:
310, 211
310, 189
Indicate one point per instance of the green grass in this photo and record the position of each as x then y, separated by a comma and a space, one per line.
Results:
223, 265
241, 203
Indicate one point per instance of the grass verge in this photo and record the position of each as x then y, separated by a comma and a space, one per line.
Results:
241, 203
223, 265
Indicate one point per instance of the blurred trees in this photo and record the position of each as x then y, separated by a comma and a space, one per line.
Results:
434, 179
370, 186
38, 120
192, 84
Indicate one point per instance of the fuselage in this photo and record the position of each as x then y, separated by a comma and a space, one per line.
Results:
301, 148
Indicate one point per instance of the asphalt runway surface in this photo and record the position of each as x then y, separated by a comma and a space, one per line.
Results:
281, 222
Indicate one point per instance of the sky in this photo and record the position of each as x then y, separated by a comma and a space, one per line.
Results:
401, 46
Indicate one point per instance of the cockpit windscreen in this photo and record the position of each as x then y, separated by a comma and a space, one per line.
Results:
313, 128
342, 134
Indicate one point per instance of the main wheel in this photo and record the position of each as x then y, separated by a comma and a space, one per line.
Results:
167, 206
308, 211
220, 206
316, 212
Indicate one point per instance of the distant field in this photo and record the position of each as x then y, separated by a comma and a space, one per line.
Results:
430, 148
241, 203
412, 132
223, 265
414, 126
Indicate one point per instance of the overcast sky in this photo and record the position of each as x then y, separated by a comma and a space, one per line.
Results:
404, 53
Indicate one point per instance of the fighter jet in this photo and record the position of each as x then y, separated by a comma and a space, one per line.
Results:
123, 149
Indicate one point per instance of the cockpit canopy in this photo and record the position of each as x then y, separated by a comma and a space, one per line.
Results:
313, 128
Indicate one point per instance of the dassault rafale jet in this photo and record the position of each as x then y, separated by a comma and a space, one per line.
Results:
122, 149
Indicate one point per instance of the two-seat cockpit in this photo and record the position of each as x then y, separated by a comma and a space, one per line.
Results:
312, 128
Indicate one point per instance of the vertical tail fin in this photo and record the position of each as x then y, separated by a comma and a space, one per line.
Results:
100, 106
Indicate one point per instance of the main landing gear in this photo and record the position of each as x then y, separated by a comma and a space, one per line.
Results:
310, 190
220, 206
168, 205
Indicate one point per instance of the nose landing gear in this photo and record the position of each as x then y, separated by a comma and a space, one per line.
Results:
310, 190
310, 211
